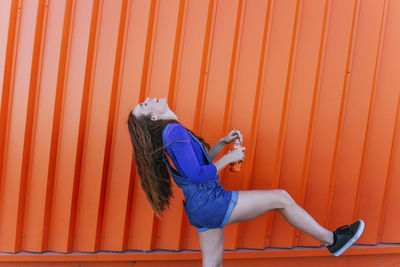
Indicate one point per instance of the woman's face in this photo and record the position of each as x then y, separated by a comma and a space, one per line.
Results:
158, 109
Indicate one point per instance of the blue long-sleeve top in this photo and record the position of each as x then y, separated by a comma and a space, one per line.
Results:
187, 155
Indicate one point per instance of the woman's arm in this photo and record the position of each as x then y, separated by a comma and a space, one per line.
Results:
216, 149
230, 157
180, 148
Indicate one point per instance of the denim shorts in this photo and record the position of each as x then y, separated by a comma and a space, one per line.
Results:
210, 208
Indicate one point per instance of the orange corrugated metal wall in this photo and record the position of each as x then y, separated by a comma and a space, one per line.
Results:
312, 85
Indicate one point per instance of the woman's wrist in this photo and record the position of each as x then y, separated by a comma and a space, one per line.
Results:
221, 163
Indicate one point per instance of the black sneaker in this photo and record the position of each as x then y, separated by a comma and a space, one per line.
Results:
345, 236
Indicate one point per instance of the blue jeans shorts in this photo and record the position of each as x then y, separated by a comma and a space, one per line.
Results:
211, 209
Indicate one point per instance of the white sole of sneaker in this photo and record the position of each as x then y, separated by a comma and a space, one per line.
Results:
351, 241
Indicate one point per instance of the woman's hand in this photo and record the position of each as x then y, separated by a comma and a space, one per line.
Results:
230, 157
232, 136
236, 155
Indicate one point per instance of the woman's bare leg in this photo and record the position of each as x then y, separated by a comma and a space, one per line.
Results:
212, 247
253, 203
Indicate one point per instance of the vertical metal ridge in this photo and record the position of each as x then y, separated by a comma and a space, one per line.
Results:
8, 89
284, 116
361, 176
232, 73
181, 7
75, 185
317, 84
8, 82
233, 66
198, 116
356, 13
61, 84
257, 100
289, 79
208, 47
111, 125
9, 70
52, 245
177, 55
311, 126
87, 88
257, 108
172, 96
147, 53
131, 185
128, 6
131, 202
143, 91
389, 176
34, 87
93, 243
202, 86
129, 205
152, 33
268, 223
230, 91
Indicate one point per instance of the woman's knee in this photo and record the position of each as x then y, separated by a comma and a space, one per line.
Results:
285, 199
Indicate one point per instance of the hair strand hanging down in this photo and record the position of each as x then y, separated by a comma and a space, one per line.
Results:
146, 137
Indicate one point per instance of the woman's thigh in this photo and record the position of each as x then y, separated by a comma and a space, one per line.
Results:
253, 203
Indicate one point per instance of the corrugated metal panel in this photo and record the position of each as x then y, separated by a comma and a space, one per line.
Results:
312, 85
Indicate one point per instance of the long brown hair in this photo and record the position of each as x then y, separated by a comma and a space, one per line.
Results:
146, 137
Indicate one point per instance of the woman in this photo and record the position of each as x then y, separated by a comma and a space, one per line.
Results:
156, 133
